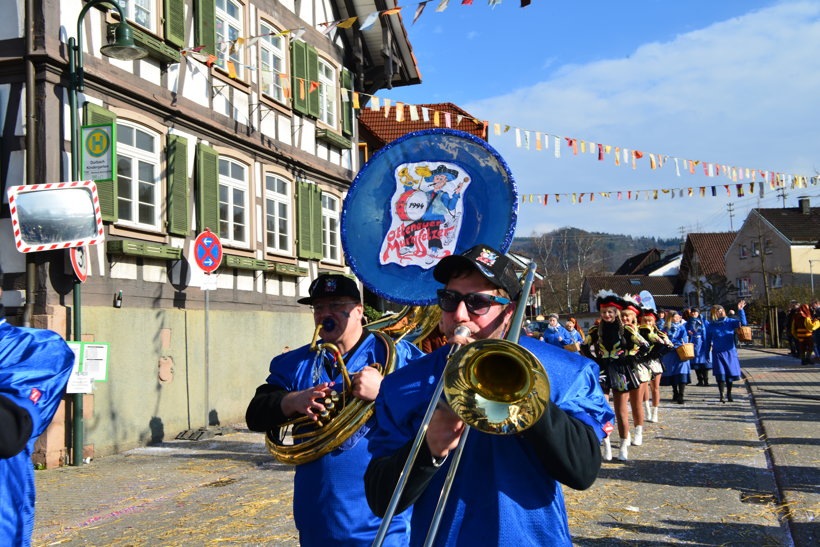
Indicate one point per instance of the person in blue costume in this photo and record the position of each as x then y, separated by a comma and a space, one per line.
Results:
720, 340
34, 369
506, 490
696, 329
555, 334
676, 373
329, 505
575, 336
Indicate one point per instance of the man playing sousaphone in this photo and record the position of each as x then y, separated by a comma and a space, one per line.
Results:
328, 499
506, 491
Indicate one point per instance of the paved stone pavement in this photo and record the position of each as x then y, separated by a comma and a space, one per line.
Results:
707, 474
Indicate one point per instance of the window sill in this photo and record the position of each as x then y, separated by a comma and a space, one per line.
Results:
142, 248
331, 137
239, 83
134, 232
282, 107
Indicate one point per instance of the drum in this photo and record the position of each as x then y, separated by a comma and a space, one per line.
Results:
411, 205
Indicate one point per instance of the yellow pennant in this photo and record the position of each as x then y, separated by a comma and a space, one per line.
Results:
356, 101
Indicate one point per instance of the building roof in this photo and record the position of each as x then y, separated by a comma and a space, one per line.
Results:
795, 225
662, 287
638, 262
710, 249
386, 129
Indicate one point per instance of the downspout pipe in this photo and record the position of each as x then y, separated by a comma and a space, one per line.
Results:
31, 150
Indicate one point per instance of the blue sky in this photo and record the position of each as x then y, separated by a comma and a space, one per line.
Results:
729, 82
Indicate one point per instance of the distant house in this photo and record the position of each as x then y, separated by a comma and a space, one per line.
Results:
702, 267
379, 127
780, 242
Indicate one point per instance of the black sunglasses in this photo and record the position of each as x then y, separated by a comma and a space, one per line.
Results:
477, 303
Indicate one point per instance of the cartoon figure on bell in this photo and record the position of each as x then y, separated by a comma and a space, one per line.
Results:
426, 213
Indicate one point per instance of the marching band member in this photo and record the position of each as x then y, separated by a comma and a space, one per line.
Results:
696, 328
720, 339
614, 346
34, 369
659, 345
676, 373
330, 487
507, 488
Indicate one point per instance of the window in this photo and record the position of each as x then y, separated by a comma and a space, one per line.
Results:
228, 29
330, 228
272, 62
277, 214
233, 202
327, 93
744, 286
142, 12
767, 246
776, 281
138, 184
755, 249
744, 251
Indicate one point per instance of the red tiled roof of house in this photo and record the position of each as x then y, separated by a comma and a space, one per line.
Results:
387, 129
710, 248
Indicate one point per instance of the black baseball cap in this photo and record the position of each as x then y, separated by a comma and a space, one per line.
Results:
493, 265
332, 285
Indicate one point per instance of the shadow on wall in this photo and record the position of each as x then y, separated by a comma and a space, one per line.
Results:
213, 418
157, 430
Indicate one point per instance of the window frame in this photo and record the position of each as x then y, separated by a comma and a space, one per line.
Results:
265, 44
744, 252
134, 153
153, 15
328, 93
224, 55
755, 249
744, 286
234, 184
327, 233
278, 198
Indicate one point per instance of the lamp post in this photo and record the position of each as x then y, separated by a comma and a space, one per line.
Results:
124, 49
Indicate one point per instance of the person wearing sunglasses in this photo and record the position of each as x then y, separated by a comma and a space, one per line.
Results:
506, 490
328, 493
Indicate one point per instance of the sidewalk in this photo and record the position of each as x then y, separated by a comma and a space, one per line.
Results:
702, 477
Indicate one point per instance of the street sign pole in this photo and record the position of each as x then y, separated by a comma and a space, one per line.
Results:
207, 360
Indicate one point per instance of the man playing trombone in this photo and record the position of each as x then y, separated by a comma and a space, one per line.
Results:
506, 490
328, 494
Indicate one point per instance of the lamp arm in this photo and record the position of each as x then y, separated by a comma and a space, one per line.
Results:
79, 45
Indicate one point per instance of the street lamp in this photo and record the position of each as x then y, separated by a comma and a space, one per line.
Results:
124, 49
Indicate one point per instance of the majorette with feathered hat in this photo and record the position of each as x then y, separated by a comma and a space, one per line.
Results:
614, 347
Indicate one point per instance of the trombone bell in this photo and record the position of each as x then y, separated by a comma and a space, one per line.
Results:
496, 386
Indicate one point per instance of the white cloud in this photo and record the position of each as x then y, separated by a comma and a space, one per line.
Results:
742, 92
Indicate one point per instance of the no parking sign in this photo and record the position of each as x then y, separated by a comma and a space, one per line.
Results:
207, 251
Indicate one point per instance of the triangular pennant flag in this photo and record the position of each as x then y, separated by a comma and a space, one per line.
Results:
538, 140
347, 23
313, 87
436, 118
442, 5
419, 9
447, 119
517, 138
497, 128
399, 111
369, 21
391, 11
414, 112
356, 100
425, 114
374, 104
231, 70
557, 147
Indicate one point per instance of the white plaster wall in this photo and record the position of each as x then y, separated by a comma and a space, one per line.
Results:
123, 267
289, 287
154, 273
289, 4
285, 129
240, 107
308, 136
244, 280
271, 285
224, 280
197, 86
150, 70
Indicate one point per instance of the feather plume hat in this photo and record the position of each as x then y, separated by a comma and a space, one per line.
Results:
631, 303
609, 298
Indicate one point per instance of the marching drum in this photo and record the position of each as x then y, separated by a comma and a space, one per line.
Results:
411, 205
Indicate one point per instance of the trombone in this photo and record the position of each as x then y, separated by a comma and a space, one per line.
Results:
495, 386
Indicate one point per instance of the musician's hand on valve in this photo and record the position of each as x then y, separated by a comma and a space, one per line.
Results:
366, 384
307, 401
444, 431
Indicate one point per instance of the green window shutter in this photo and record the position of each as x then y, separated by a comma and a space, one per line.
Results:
298, 63
106, 189
347, 105
316, 236
177, 158
309, 226
175, 22
205, 13
313, 76
207, 188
